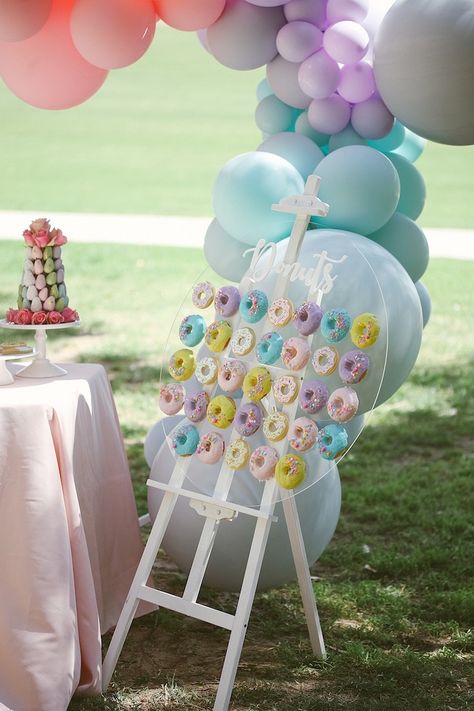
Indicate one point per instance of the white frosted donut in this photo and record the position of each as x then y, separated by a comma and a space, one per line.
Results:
325, 360
203, 295
280, 312
242, 341
263, 462
275, 426
285, 389
237, 454
343, 404
206, 370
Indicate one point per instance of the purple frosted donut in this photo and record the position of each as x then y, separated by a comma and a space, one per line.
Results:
307, 318
313, 396
227, 301
353, 366
195, 406
248, 419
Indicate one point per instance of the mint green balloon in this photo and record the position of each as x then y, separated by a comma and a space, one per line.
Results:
225, 254
412, 187
392, 140
346, 137
407, 242
412, 146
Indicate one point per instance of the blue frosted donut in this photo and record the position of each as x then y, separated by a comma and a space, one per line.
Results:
185, 440
191, 330
269, 348
253, 306
332, 441
335, 325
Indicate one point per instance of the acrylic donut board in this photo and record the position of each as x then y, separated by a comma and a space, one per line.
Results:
222, 412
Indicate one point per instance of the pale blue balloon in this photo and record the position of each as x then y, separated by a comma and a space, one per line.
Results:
412, 146
392, 140
425, 301
273, 116
245, 190
263, 89
156, 436
346, 137
300, 151
225, 254
407, 242
412, 187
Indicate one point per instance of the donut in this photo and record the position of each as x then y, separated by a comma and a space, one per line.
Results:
295, 353
218, 336
253, 306
325, 360
210, 448
302, 434
227, 301
269, 348
332, 441
184, 440
285, 389
275, 426
257, 383
195, 406
290, 471
365, 330
237, 454
191, 330
221, 411
313, 396
206, 370
202, 295
182, 365
171, 398
280, 312
335, 325
242, 341
231, 375
343, 404
248, 419
263, 461
353, 367
307, 318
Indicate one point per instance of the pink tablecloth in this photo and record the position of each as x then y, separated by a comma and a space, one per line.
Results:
69, 537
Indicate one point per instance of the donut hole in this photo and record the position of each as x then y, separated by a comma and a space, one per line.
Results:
290, 352
167, 397
201, 295
349, 364
299, 431
181, 439
248, 303
217, 410
243, 418
327, 440
332, 323
207, 445
223, 299
253, 381
259, 461
205, 370
265, 346
303, 315
179, 362
272, 427
285, 389
241, 341
323, 359
188, 329
338, 404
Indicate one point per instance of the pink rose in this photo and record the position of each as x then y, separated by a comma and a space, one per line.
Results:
10, 316
55, 317
70, 315
57, 238
39, 318
23, 317
29, 239
42, 238
40, 224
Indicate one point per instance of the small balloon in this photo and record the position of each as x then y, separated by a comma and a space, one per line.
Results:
392, 140
371, 118
330, 115
318, 75
21, 20
346, 42
283, 78
263, 89
356, 82
406, 241
338, 10
412, 187
303, 126
189, 14
346, 137
273, 116
297, 149
425, 301
297, 40
225, 254
313, 11
412, 146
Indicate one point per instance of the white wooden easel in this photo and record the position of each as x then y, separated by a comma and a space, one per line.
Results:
217, 508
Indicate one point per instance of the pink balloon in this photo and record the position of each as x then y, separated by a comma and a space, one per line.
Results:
308, 10
20, 19
356, 10
371, 118
357, 82
297, 40
189, 14
329, 115
346, 42
318, 75
283, 79
46, 70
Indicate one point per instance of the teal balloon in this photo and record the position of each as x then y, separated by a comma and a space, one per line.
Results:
407, 242
303, 126
274, 116
361, 187
263, 89
412, 146
299, 150
412, 187
346, 137
245, 190
392, 140
425, 301
225, 254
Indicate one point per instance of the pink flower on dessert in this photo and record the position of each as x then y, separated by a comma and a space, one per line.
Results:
29, 239
70, 315
40, 224
55, 317
57, 238
10, 316
39, 318
23, 317
41, 238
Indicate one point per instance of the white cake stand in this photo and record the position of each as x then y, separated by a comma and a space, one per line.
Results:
6, 378
41, 367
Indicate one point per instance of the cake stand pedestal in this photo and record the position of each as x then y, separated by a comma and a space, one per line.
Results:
6, 378
41, 367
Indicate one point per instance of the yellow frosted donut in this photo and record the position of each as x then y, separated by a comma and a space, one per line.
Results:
257, 383
221, 411
275, 426
218, 336
182, 365
290, 471
365, 330
237, 454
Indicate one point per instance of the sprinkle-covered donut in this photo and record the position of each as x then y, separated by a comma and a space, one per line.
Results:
227, 301
248, 419
308, 317
275, 426
263, 461
181, 365
237, 454
202, 295
257, 383
206, 370
221, 411
365, 330
191, 330
325, 360
195, 406
332, 441
253, 306
218, 336
335, 325
171, 398
285, 389
280, 312
242, 341
313, 396
295, 353
210, 448
302, 434
269, 348
353, 367
231, 375
290, 471
343, 404
184, 440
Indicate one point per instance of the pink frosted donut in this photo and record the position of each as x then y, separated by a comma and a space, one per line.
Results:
231, 375
263, 462
195, 406
210, 448
343, 404
295, 353
285, 389
302, 434
325, 360
171, 398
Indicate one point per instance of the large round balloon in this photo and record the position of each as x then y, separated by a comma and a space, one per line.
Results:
22, 19
407, 242
424, 67
189, 14
297, 149
224, 254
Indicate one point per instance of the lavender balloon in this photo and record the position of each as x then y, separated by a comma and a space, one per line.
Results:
313, 11
371, 118
356, 10
346, 42
283, 78
356, 82
318, 75
297, 40
329, 115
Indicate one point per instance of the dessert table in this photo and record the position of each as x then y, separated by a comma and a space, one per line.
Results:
69, 536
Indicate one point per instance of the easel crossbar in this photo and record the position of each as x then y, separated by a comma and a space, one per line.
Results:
186, 607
